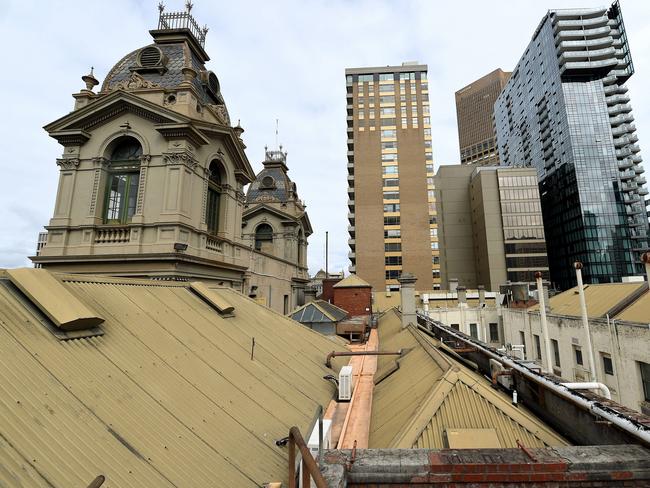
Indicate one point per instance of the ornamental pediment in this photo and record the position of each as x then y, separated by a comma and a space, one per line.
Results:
107, 108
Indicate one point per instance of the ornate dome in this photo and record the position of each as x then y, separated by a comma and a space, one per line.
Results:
178, 44
272, 184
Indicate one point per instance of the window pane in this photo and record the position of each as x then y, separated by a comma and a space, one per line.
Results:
116, 197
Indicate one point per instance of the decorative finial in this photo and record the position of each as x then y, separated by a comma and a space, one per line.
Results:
90, 80
188, 6
205, 29
161, 7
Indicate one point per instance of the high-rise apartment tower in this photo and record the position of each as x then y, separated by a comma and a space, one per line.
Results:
474, 112
565, 111
393, 227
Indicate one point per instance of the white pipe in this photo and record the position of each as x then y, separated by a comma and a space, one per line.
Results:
623, 422
585, 321
590, 386
542, 315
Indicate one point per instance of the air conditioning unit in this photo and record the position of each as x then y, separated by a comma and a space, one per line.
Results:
345, 384
495, 368
312, 444
327, 437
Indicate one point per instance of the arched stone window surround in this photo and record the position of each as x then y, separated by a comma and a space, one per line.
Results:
263, 235
122, 197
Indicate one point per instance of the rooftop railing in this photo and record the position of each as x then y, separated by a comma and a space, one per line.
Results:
181, 20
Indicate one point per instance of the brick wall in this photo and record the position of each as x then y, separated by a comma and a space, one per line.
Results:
356, 301
579, 466
328, 291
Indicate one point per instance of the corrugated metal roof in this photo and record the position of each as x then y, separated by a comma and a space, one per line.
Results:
599, 298
638, 311
352, 281
423, 393
168, 396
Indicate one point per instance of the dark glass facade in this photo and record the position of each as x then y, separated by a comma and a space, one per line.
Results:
565, 112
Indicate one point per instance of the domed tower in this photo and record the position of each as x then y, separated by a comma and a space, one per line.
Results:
275, 222
152, 171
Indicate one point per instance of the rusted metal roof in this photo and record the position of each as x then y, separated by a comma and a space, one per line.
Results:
424, 393
173, 394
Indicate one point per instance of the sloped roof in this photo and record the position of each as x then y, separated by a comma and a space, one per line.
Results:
638, 311
167, 396
424, 393
352, 281
318, 311
600, 299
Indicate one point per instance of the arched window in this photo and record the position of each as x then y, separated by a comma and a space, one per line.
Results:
264, 238
214, 197
123, 180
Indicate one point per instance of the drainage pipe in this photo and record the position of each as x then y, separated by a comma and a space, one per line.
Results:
336, 354
635, 429
590, 386
585, 322
542, 315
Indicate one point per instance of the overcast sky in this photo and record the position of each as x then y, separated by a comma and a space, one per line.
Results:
274, 59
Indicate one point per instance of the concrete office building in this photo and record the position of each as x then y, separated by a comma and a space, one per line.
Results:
490, 226
475, 116
565, 112
393, 227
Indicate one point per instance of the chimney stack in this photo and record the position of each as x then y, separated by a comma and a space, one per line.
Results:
407, 296
310, 294
462, 296
453, 284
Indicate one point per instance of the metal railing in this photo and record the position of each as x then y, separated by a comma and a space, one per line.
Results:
181, 20
310, 470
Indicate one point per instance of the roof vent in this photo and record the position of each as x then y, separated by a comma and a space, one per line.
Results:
54, 300
211, 83
150, 58
213, 298
267, 182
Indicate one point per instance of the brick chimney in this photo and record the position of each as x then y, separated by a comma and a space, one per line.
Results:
407, 296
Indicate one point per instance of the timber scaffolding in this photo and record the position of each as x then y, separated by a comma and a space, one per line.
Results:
583, 417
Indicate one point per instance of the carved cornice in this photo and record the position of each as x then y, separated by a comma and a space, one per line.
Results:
71, 137
134, 82
68, 163
182, 131
180, 158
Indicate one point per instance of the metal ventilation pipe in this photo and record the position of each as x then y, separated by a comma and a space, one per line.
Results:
646, 260
585, 321
542, 316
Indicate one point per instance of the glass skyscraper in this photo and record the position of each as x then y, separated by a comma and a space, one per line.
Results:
565, 112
